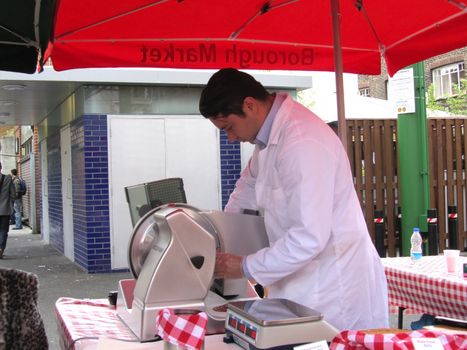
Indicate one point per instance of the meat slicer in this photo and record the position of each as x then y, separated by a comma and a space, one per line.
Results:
172, 254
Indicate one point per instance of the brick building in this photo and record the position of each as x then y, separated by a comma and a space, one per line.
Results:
443, 70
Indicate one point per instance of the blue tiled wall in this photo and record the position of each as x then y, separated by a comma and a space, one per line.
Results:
54, 184
91, 221
230, 166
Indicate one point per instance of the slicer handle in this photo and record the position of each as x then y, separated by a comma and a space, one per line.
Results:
197, 261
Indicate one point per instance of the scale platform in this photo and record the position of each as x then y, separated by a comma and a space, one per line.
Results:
275, 324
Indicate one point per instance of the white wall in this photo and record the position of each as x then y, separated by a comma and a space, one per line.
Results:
7, 153
149, 148
321, 99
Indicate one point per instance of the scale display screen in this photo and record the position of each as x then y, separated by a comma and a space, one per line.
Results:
235, 322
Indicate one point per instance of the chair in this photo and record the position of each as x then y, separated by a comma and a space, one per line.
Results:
21, 325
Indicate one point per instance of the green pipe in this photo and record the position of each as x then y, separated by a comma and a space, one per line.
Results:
413, 163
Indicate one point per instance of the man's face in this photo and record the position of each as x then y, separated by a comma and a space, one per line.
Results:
243, 128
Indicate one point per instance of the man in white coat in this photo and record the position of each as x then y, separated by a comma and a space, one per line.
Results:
320, 252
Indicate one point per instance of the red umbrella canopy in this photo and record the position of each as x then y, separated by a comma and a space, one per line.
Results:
255, 34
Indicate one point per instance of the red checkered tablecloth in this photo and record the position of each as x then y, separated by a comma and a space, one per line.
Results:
84, 324
187, 331
426, 286
88, 319
350, 340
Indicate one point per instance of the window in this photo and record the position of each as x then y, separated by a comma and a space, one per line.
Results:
444, 78
364, 91
26, 148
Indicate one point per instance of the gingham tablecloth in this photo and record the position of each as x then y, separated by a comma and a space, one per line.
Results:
426, 286
187, 331
86, 324
88, 320
350, 340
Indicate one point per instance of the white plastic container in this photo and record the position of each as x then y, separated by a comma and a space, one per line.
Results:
416, 245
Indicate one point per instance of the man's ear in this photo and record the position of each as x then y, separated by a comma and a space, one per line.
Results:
249, 104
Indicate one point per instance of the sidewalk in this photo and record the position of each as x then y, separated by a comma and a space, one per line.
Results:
58, 276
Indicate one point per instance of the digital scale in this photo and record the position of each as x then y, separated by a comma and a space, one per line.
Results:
275, 324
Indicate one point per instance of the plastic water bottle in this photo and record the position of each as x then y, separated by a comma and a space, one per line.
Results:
416, 245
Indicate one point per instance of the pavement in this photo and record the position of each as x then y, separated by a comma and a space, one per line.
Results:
59, 277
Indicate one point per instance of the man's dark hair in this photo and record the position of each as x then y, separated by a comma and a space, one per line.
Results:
14, 172
225, 92
334, 125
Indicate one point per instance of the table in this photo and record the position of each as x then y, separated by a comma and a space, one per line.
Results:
92, 324
404, 340
426, 287
81, 322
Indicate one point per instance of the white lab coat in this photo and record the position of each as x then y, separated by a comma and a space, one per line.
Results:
320, 253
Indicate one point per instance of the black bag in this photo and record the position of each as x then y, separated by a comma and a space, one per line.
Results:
22, 187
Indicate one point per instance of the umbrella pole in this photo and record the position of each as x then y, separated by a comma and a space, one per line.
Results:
336, 31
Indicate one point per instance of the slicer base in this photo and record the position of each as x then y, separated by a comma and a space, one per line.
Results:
141, 319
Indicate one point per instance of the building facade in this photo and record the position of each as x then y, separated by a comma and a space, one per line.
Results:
105, 137
443, 71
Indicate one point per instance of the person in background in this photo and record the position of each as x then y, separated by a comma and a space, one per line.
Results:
18, 201
320, 254
7, 195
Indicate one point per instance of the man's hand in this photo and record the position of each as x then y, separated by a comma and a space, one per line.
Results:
228, 266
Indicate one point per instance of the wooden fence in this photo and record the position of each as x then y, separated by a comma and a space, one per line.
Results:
372, 150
